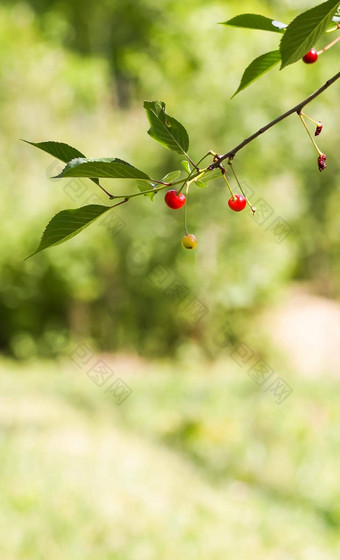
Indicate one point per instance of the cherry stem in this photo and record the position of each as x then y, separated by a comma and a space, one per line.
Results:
210, 153
310, 136
161, 183
186, 210
185, 181
297, 109
197, 177
310, 119
337, 26
192, 179
329, 46
128, 196
229, 187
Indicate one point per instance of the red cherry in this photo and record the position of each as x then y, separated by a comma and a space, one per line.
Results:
174, 199
238, 203
311, 56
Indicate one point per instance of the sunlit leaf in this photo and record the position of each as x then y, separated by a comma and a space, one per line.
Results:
200, 184
257, 68
165, 129
304, 31
68, 223
186, 165
172, 176
61, 151
144, 185
109, 168
256, 21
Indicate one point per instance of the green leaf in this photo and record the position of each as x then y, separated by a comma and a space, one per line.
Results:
200, 184
257, 68
172, 176
186, 165
304, 31
256, 21
113, 168
68, 223
165, 129
60, 150
211, 175
144, 185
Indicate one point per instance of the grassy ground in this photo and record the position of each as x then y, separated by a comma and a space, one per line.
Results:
198, 463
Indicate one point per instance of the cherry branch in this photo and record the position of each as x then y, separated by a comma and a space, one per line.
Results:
231, 154
297, 109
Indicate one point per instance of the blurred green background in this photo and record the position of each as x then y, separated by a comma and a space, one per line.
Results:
199, 461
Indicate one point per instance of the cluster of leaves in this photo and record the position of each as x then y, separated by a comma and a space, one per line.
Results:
297, 38
163, 128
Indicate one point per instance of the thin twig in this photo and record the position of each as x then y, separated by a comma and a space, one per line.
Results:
297, 109
329, 46
121, 202
191, 161
111, 196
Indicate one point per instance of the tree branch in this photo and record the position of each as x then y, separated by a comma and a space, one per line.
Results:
297, 109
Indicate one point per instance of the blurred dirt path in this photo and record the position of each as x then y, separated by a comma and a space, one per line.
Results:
306, 328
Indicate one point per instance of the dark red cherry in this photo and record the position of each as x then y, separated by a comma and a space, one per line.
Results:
322, 162
311, 56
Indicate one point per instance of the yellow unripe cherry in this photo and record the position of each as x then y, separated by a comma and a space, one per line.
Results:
189, 241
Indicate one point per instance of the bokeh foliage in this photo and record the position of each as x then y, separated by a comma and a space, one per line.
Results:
191, 466
79, 72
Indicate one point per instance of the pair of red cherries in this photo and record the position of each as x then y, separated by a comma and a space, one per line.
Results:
176, 200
